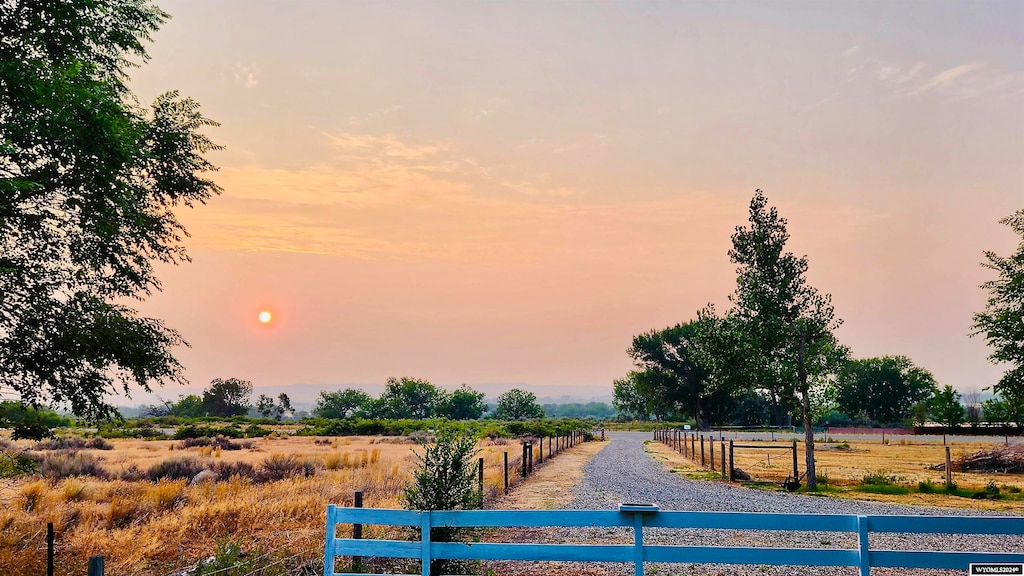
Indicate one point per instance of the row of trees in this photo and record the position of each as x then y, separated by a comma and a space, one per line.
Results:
412, 398
225, 398
774, 352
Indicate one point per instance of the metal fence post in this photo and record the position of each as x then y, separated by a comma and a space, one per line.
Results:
525, 461
796, 469
96, 566
949, 468
732, 461
357, 532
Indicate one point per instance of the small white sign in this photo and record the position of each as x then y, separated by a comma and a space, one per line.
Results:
686, 426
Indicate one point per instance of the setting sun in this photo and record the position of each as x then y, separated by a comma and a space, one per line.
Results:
265, 317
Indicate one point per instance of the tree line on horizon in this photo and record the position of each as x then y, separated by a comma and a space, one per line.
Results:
403, 399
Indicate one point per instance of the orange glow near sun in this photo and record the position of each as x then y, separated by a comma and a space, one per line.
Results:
265, 317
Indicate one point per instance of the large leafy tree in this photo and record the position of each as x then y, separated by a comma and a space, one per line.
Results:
946, 407
1002, 322
228, 397
462, 404
629, 400
409, 398
885, 389
516, 404
88, 183
340, 404
674, 368
786, 323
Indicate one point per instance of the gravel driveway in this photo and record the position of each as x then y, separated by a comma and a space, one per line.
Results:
625, 472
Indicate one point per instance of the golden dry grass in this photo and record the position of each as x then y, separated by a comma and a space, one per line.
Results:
146, 528
846, 464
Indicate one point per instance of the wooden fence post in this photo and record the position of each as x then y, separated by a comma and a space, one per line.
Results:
949, 468
540, 451
723, 460
506, 471
693, 446
686, 445
702, 450
49, 549
796, 470
96, 566
357, 532
711, 444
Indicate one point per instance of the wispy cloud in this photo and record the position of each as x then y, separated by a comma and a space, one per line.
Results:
851, 51
947, 77
384, 198
245, 75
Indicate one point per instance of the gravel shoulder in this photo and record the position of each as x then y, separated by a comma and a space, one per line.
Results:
624, 471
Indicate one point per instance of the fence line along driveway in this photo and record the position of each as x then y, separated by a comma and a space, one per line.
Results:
625, 472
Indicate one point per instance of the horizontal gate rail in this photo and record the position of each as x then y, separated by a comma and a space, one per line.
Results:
639, 517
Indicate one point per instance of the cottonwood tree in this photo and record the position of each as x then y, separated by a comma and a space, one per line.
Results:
89, 180
786, 323
517, 404
408, 398
462, 404
227, 397
265, 405
340, 404
628, 400
1001, 323
946, 407
885, 388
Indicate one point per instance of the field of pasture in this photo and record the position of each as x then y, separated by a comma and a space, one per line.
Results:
893, 471
269, 499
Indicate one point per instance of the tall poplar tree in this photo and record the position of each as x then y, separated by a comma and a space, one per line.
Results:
787, 324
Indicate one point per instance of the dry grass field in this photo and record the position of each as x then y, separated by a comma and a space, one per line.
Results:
847, 464
150, 528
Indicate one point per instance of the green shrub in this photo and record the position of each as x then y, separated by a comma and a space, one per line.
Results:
16, 463
927, 487
879, 479
883, 489
445, 480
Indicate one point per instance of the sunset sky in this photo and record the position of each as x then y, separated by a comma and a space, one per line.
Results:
507, 192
